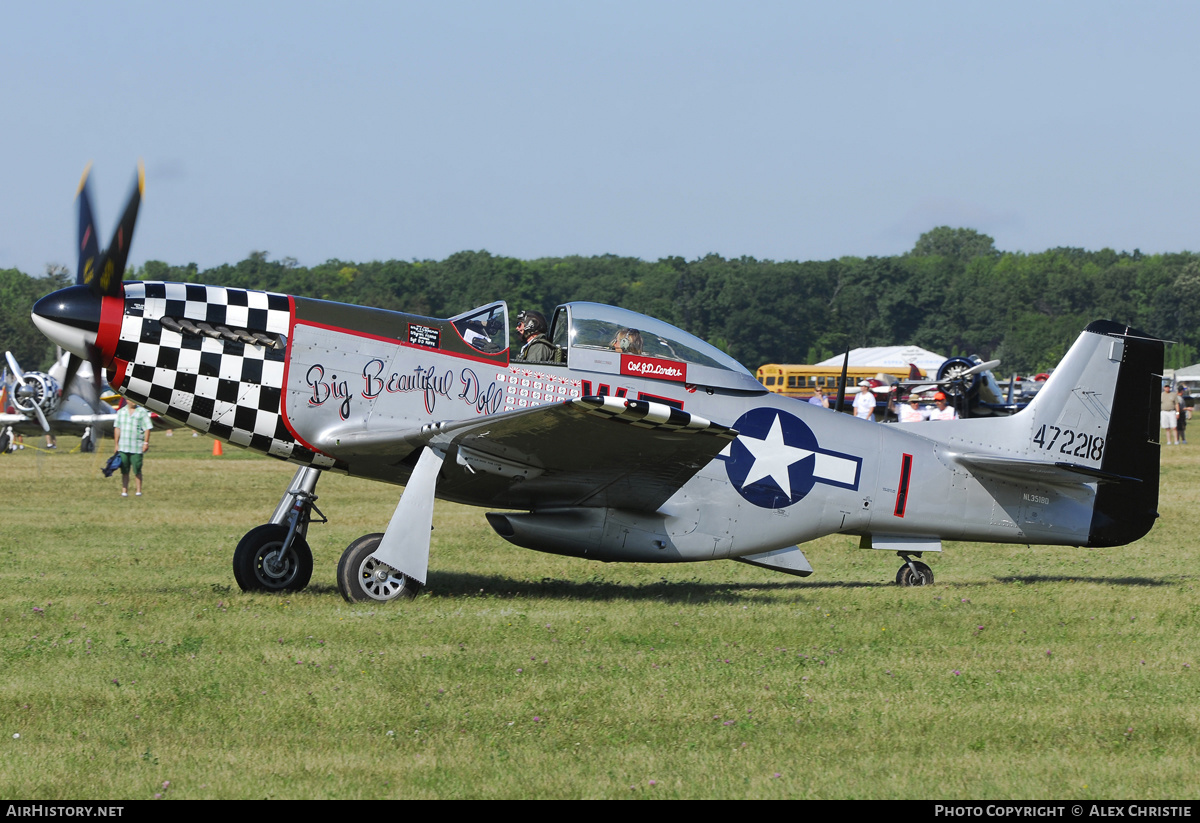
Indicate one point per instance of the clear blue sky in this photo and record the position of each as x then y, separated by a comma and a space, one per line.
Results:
782, 130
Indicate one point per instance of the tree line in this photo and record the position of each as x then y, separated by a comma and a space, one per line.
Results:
953, 293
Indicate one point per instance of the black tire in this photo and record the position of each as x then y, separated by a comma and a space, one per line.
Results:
251, 561
922, 577
362, 579
951, 369
5, 442
87, 445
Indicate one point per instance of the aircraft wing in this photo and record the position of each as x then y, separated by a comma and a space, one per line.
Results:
104, 421
59, 424
592, 451
23, 424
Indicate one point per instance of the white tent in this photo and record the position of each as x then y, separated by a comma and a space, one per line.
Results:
890, 357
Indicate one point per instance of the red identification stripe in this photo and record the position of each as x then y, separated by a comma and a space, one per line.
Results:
287, 363
902, 492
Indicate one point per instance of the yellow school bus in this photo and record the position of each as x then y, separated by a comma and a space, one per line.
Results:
802, 381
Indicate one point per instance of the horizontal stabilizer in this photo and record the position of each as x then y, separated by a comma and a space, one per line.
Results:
1055, 474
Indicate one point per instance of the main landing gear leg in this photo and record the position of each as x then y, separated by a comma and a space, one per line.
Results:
275, 557
913, 572
394, 564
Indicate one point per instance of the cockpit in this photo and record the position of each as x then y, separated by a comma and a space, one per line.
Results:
484, 329
609, 340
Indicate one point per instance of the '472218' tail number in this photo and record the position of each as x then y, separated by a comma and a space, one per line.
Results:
1069, 442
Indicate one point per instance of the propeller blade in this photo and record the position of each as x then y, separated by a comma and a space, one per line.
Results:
94, 358
12, 364
73, 364
841, 401
112, 264
982, 367
41, 418
89, 245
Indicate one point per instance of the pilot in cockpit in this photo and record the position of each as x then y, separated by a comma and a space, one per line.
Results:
532, 328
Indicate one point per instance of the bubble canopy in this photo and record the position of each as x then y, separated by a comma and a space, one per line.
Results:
605, 339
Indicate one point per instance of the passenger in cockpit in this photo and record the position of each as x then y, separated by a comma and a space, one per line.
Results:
627, 341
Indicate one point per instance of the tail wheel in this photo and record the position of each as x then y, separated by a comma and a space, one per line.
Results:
261, 565
361, 578
918, 574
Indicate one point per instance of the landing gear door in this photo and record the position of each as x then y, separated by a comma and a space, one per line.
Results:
484, 329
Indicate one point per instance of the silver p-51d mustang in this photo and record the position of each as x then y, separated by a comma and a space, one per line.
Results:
667, 451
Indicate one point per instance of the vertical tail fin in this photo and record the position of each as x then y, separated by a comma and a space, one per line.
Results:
1097, 414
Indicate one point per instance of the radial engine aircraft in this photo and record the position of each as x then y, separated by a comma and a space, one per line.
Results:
671, 454
37, 402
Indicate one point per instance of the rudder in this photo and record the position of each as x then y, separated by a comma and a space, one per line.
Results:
1126, 510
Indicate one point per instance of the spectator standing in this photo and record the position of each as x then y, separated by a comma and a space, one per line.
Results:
864, 402
131, 430
1169, 413
942, 410
912, 412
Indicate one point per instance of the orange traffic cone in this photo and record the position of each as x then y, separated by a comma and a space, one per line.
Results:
217, 448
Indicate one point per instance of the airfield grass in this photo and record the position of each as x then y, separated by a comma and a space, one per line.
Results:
133, 666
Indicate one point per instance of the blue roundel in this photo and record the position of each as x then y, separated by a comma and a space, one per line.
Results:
772, 461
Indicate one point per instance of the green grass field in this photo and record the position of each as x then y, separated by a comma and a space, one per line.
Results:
133, 666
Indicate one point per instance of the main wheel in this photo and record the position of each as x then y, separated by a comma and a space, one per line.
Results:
258, 567
87, 445
362, 578
5, 442
922, 577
